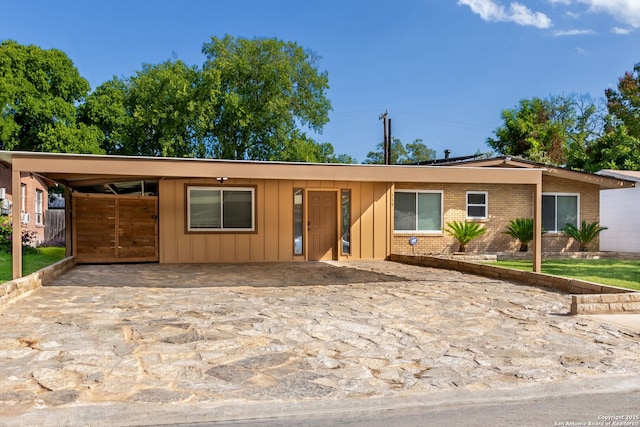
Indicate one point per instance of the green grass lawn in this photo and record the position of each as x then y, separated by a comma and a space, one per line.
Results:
30, 262
622, 273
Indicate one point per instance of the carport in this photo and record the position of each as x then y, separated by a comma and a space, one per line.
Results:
294, 211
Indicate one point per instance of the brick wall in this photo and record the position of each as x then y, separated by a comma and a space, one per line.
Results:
589, 211
32, 183
505, 202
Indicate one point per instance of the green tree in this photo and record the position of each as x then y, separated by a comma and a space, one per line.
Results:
413, 152
154, 113
624, 103
616, 149
556, 130
268, 91
39, 91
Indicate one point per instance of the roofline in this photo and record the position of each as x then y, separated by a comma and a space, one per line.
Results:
58, 166
619, 174
605, 182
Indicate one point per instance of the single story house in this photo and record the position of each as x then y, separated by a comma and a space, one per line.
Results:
34, 194
620, 211
178, 210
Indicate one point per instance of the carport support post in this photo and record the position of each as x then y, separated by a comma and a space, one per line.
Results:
537, 226
67, 222
16, 220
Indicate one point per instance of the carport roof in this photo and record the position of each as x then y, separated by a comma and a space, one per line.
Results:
80, 170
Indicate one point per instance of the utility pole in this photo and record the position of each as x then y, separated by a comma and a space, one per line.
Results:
386, 146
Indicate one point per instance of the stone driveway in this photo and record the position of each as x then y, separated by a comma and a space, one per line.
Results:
154, 334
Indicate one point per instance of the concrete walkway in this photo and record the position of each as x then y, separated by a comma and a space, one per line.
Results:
158, 339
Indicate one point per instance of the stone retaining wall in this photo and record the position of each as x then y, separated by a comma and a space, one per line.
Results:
15, 289
606, 304
594, 297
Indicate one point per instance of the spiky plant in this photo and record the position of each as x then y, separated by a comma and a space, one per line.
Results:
521, 229
464, 232
585, 234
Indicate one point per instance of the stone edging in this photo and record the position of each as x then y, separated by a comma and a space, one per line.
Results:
594, 298
16, 289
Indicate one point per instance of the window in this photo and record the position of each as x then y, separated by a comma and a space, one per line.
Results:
558, 210
217, 209
298, 225
23, 198
346, 222
419, 211
38, 210
477, 205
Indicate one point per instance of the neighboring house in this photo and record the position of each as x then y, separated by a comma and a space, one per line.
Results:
33, 200
620, 211
169, 210
568, 196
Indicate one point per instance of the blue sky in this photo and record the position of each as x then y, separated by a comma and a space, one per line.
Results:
444, 69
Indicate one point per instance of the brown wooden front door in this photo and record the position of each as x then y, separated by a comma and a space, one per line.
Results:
323, 230
110, 228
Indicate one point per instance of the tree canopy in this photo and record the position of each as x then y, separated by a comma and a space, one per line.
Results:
576, 131
556, 130
39, 91
250, 99
411, 153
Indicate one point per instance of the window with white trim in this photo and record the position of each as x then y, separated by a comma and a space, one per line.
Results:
558, 210
23, 198
220, 209
417, 211
477, 205
38, 210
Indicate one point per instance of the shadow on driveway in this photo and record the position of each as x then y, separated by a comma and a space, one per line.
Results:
212, 275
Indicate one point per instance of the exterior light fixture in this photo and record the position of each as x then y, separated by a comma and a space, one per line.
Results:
221, 179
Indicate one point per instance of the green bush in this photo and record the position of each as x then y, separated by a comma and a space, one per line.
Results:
521, 229
585, 234
464, 232
6, 236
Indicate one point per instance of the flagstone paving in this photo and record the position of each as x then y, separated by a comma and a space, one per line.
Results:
168, 334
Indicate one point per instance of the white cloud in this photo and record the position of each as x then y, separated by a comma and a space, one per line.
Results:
517, 13
576, 32
627, 11
621, 31
564, 2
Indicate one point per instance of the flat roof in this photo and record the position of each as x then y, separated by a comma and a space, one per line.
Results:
77, 170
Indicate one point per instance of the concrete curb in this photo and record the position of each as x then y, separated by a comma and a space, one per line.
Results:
131, 414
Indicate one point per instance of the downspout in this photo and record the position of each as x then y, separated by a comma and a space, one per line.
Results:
16, 219
537, 225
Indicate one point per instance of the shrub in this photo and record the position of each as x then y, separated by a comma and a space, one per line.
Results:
464, 232
6, 236
585, 234
56, 242
522, 230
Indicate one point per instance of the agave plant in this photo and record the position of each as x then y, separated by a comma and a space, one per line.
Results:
464, 232
585, 234
522, 230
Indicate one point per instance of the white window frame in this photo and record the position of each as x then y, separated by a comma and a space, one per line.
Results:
23, 198
416, 192
485, 204
221, 229
38, 206
577, 195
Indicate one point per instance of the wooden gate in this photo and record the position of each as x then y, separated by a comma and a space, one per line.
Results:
115, 228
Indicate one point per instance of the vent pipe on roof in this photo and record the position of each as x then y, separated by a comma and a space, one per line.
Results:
447, 152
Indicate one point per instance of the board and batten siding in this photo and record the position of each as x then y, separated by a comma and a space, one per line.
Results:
273, 238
